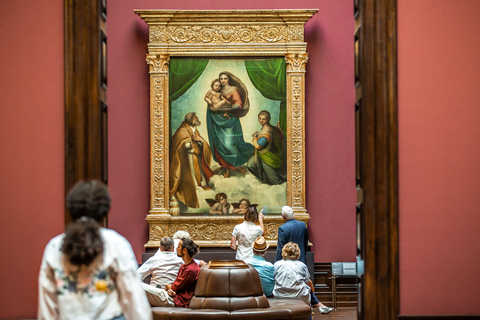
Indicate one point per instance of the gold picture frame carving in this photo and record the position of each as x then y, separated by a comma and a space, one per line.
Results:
218, 33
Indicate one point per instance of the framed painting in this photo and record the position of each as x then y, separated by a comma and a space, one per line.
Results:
227, 102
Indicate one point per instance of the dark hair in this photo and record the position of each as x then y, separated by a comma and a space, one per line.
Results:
227, 74
88, 203
266, 114
213, 82
219, 195
89, 198
82, 242
192, 248
246, 200
251, 215
166, 244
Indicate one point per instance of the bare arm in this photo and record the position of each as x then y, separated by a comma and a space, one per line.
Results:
310, 284
260, 220
233, 243
207, 98
239, 211
226, 208
216, 209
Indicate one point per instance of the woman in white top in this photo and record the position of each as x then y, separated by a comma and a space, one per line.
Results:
90, 272
292, 279
246, 233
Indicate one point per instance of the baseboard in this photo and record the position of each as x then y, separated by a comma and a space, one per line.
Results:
439, 317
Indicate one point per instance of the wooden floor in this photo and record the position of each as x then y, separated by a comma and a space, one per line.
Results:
342, 314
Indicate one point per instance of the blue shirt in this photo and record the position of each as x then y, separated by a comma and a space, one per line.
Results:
265, 271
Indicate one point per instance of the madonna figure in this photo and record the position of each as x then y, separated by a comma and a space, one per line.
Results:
225, 132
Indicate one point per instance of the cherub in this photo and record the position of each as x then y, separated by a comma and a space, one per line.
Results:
242, 206
219, 205
215, 98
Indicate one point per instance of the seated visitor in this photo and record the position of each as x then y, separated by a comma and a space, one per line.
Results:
246, 233
264, 268
163, 266
180, 234
180, 292
292, 279
90, 272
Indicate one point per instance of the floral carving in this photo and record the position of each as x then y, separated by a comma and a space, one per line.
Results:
206, 231
158, 66
157, 34
156, 232
297, 142
225, 34
271, 231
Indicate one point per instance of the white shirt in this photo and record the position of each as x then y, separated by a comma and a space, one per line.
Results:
107, 289
291, 277
246, 233
163, 266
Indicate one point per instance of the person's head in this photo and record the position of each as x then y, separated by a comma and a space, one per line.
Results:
260, 246
264, 117
88, 203
221, 198
291, 251
166, 244
251, 215
178, 236
244, 203
82, 243
181, 234
216, 85
89, 198
224, 78
192, 119
287, 213
187, 246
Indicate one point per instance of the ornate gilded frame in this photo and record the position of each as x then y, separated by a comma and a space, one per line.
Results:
245, 33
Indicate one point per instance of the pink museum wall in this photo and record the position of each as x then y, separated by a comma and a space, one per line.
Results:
330, 163
31, 144
439, 156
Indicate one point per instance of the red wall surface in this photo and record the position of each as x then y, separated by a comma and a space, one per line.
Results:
31, 144
439, 156
330, 162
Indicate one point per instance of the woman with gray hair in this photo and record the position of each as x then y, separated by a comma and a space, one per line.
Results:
292, 279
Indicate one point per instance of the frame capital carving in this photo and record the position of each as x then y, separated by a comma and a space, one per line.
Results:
296, 61
158, 62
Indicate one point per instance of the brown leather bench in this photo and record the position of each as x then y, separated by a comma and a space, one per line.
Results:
233, 292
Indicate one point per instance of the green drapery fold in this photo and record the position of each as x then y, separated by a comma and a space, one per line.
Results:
269, 77
183, 74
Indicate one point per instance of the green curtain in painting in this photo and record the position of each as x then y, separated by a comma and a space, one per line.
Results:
183, 74
269, 77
